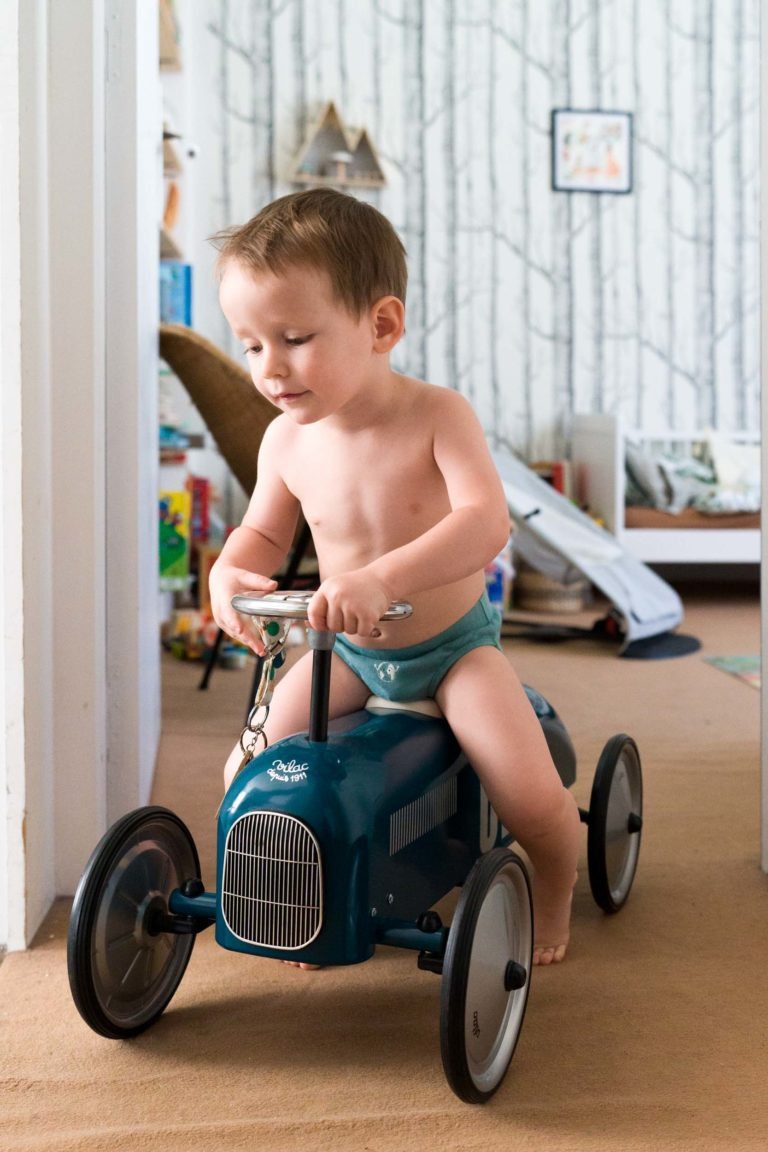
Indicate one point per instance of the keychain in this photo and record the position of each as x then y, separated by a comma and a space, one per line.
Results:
273, 635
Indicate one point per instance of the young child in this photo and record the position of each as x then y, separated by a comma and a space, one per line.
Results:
396, 483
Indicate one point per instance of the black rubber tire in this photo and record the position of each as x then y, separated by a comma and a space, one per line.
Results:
615, 823
121, 973
490, 946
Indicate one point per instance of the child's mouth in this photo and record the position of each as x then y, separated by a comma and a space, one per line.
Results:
289, 397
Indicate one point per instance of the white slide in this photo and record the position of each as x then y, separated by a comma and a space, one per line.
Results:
553, 536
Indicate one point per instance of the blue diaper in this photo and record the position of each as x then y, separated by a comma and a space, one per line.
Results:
413, 673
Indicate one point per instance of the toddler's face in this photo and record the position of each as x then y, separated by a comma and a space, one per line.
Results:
307, 354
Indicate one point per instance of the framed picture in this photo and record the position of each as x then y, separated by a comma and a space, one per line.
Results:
591, 151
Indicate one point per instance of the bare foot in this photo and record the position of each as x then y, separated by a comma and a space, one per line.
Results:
304, 967
551, 921
545, 954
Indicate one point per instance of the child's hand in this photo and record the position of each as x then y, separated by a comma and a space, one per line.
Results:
353, 603
226, 582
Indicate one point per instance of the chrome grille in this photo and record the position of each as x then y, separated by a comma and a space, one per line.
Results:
272, 883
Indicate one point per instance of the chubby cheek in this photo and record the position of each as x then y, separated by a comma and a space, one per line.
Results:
258, 382
256, 378
264, 393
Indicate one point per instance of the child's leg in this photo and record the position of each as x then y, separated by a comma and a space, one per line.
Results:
489, 712
289, 710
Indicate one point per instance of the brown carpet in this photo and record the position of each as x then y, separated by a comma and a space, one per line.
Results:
651, 1036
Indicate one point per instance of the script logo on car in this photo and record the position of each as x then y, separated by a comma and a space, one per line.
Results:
290, 773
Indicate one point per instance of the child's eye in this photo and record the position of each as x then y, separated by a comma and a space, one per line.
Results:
297, 341
253, 350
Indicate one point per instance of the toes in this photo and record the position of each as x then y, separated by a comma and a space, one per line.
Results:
545, 954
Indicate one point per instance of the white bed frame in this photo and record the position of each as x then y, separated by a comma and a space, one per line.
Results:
598, 464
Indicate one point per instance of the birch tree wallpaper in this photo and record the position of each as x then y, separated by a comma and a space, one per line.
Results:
534, 303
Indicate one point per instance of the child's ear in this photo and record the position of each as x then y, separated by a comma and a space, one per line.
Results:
388, 315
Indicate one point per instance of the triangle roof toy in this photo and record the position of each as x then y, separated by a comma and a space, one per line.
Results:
335, 155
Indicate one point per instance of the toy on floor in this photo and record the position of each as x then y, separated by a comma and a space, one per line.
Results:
336, 841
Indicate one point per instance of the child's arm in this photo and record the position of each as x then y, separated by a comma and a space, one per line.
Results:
475, 530
478, 526
256, 548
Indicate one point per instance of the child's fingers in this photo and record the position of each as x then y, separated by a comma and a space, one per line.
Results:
239, 625
254, 642
318, 612
242, 629
253, 582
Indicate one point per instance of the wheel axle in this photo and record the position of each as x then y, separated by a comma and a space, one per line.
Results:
161, 921
515, 977
428, 962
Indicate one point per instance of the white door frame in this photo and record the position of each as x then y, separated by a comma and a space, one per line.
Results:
764, 436
79, 660
134, 185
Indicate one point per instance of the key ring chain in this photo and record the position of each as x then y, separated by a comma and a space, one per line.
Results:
274, 636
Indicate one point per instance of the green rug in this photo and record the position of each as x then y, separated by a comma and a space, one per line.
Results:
745, 667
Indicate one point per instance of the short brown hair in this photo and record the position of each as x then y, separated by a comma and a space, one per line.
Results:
326, 230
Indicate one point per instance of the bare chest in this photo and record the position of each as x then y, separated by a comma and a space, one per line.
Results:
368, 494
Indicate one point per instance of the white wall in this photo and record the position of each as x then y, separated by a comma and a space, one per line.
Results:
78, 461
133, 182
79, 683
12, 784
534, 303
26, 757
764, 345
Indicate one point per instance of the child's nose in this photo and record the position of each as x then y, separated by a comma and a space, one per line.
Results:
273, 363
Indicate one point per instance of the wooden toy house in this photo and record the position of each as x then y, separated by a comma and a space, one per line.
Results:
337, 156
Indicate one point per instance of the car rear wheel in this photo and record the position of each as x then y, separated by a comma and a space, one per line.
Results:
615, 822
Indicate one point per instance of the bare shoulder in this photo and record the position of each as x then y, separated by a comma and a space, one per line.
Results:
279, 433
439, 404
277, 452
278, 443
458, 439
452, 418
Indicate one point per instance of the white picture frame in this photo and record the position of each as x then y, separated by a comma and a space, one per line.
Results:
591, 151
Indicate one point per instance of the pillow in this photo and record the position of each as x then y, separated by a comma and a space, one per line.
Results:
646, 475
688, 483
737, 466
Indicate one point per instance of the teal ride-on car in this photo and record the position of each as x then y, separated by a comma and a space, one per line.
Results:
333, 842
